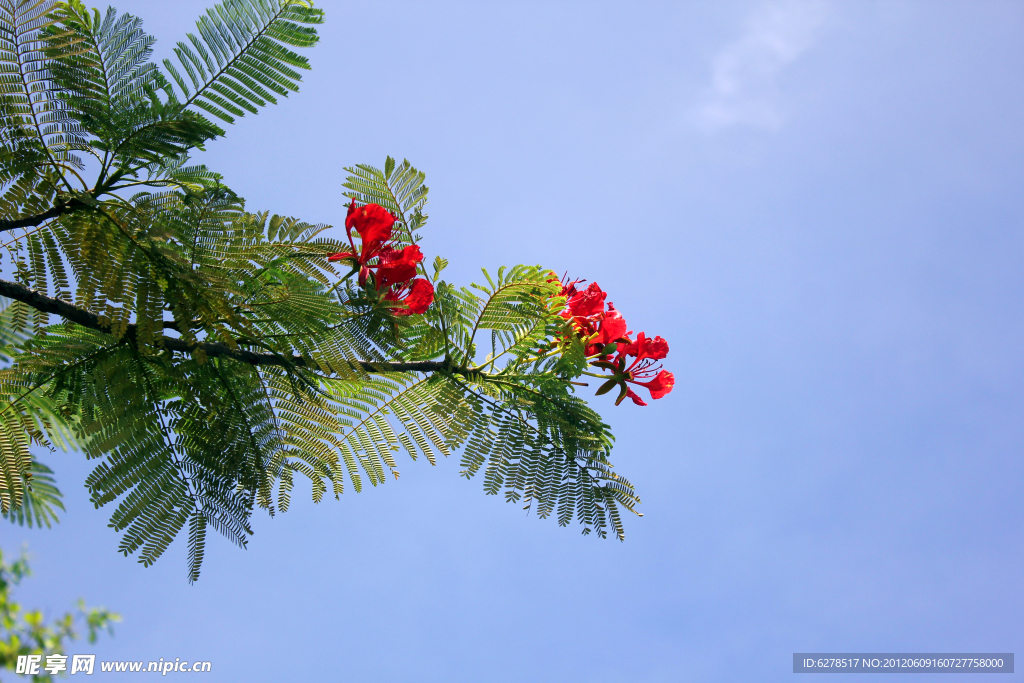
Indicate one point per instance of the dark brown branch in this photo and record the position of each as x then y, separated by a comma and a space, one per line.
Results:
80, 316
31, 221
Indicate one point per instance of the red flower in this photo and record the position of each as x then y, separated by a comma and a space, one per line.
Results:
604, 332
585, 308
417, 294
583, 305
611, 328
397, 265
659, 386
655, 349
373, 223
395, 268
646, 353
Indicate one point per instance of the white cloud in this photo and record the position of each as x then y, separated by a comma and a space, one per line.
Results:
744, 78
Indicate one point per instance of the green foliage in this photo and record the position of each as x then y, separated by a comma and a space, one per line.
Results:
204, 354
37, 139
26, 632
241, 57
28, 494
40, 499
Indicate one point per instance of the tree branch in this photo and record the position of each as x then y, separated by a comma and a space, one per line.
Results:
80, 316
31, 221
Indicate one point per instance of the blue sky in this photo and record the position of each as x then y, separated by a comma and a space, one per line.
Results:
818, 204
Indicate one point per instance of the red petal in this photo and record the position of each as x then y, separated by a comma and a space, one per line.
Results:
636, 399
411, 254
395, 267
393, 275
587, 303
628, 349
660, 385
373, 223
421, 295
613, 326
341, 256
657, 348
350, 216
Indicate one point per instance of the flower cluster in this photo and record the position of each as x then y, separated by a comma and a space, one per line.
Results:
610, 347
380, 266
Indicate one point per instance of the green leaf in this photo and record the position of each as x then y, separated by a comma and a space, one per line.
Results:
242, 58
40, 500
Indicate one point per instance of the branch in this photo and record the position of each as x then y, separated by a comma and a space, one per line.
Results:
80, 316
31, 221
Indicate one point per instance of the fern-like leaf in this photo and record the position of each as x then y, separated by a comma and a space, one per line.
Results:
40, 500
241, 58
